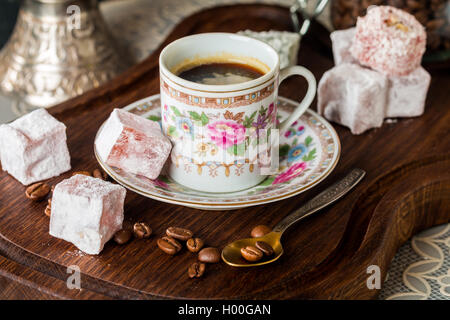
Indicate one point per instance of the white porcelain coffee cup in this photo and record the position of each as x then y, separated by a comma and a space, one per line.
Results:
217, 130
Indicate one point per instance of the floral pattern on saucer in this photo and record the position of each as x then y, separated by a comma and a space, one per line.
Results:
309, 151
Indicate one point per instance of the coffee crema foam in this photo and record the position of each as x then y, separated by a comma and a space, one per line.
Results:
221, 73
242, 69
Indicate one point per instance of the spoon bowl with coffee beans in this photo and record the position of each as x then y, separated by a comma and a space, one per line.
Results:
257, 251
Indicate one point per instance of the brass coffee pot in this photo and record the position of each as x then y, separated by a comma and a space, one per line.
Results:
58, 49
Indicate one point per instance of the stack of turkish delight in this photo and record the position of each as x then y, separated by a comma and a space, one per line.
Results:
377, 73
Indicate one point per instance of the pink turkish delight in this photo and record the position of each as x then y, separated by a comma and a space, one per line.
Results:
87, 212
389, 40
341, 42
133, 144
407, 94
34, 147
353, 96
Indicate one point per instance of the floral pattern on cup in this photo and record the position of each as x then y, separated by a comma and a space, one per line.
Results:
226, 133
230, 133
233, 132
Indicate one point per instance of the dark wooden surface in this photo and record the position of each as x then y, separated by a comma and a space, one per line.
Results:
407, 189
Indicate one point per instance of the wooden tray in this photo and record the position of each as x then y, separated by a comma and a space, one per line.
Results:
407, 188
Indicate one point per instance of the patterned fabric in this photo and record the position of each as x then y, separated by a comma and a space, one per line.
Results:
421, 268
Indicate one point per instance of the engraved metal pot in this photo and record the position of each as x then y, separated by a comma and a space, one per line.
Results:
58, 49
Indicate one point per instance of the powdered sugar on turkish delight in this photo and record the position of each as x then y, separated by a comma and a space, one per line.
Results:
389, 40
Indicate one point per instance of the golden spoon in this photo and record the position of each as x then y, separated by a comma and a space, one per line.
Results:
231, 254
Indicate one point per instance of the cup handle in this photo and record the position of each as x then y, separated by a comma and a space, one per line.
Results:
307, 100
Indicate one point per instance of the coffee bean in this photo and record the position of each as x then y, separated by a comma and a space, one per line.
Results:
446, 30
422, 16
122, 236
347, 4
169, 245
179, 233
397, 3
435, 24
347, 21
196, 270
264, 247
48, 209
447, 44
99, 174
37, 191
439, 12
415, 4
84, 173
142, 230
260, 231
194, 244
433, 41
209, 255
251, 253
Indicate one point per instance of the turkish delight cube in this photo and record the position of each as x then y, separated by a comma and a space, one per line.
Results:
389, 40
133, 144
341, 42
86, 212
353, 96
407, 94
285, 43
34, 147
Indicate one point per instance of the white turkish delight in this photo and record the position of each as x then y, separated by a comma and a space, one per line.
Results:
353, 96
285, 43
133, 144
341, 42
34, 147
407, 94
87, 212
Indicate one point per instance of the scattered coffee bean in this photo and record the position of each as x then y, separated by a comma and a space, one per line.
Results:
196, 270
264, 247
48, 209
251, 253
142, 230
99, 174
260, 231
85, 173
209, 255
435, 24
37, 191
194, 244
179, 233
122, 236
169, 245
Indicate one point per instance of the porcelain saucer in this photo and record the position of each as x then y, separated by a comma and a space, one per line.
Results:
309, 151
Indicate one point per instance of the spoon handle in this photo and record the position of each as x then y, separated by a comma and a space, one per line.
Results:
323, 199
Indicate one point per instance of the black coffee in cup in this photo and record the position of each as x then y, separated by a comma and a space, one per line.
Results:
221, 73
